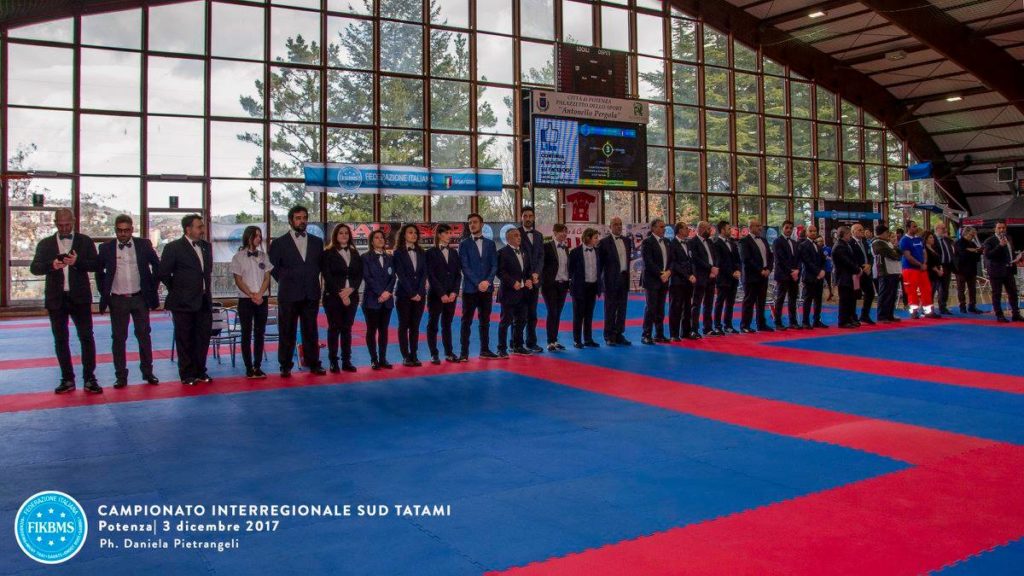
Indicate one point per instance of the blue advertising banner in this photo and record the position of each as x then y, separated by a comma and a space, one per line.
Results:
400, 180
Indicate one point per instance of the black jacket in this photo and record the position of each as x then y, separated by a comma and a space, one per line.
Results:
786, 258
998, 260
812, 260
608, 260
578, 272
335, 272
410, 282
751, 258
510, 272
444, 278
703, 260
188, 283
297, 279
654, 264
550, 272
728, 258
149, 269
847, 265
682, 265
78, 278
968, 254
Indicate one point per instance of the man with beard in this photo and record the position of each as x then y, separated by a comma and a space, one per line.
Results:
812, 270
705, 269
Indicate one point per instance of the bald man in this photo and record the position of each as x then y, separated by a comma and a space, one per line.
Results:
614, 254
758, 263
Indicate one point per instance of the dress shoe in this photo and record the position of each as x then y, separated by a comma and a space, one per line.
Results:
592, 344
488, 355
190, 382
150, 379
522, 351
464, 358
717, 332
334, 367
916, 314
647, 340
944, 311
559, 346
611, 343
623, 342
286, 373
552, 347
374, 365
250, 374
205, 378
661, 340
867, 321
1017, 318
781, 327
933, 315
1002, 319
502, 354
258, 373
694, 335
64, 387
676, 339
577, 345
348, 367
820, 324
765, 329
318, 371
975, 311
806, 326
120, 383
434, 359
895, 319
386, 365
452, 358
535, 349
855, 323
746, 330
730, 330
408, 363
963, 309
93, 387
847, 326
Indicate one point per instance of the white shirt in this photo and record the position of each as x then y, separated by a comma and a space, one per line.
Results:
706, 243
444, 252
519, 256
347, 257
64, 246
199, 252
126, 274
761, 249
563, 264
664, 254
620, 247
412, 257
249, 268
590, 264
479, 240
301, 241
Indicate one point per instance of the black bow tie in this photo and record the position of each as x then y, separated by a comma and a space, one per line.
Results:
411, 249
475, 238
124, 245
253, 254
300, 234
195, 243
65, 236
588, 249
517, 251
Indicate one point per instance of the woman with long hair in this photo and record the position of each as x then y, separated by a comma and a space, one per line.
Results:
378, 299
411, 293
342, 271
933, 260
250, 269
444, 270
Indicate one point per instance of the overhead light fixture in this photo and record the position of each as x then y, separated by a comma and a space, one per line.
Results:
817, 14
954, 99
896, 55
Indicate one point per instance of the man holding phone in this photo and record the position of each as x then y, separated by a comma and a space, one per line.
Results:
66, 259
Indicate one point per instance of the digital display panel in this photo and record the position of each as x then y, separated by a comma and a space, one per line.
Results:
582, 153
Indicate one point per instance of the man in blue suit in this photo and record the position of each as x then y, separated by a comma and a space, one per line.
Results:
126, 275
479, 257
295, 256
533, 245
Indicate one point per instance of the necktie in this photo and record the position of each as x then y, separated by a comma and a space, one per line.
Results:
253, 254
65, 236
945, 254
124, 245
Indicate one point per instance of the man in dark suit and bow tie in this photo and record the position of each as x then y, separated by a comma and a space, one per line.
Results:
757, 260
295, 256
861, 249
533, 245
812, 270
727, 254
479, 267
680, 285
186, 268
614, 254
705, 270
585, 285
787, 275
126, 276
1001, 265
516, 277
948, 259
65, 259
657, 272
555, 282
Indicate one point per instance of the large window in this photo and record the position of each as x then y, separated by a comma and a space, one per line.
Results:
213, 106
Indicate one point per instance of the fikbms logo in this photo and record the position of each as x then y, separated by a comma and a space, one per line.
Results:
51, 527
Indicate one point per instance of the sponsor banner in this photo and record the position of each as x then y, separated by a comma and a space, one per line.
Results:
567, 105
400, 180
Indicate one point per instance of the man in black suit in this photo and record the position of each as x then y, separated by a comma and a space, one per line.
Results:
1001, 266
968, 255
516, 282
848, 274
614, 254
757, 266
444, 276
295, 256
727, 255
126, 275
555, 282
66, 259
657, 270
787, 275
680, 287
585, 285
533, 246
812, 269
861, 249
948, 259
186, 268
705, 269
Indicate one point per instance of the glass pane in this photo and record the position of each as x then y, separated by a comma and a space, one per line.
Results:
719, 172
851, 114
285, 195
717, 130
450, 13
851, 143
687, 171
349, 145
350, 207
364, 7
803, 213
401, 48
401, 102
749, 207
773, 67
801, 130
893, 175
401, 147
536, 18
826, 104
175, 145
775, 134
851, 182
778, 212
746, 92
684, 83
774, 95
110, 144
236, 89
294, 36
716, 47
493, 63
164, 227
719, 208
178, 28
657, 207
614, 28
449, 151
802, 179
499, 208
657, 126
350, 43
873, 146
449, 105
827, 141
871, 121
176, 85
39, 75
618, 203
236, 202
411, 10
545, 204
295, 94
688, 208
745, 58
748, 175
450, 208
236, 149
25, 286
776, 179
684, 39
237, 31
657, 168
349, 97
38, 140
114, 29
111, 80
190, 194
494, 16
54, 31
649, 35
494, 109
686, 128
56, 193
894, 149
28, 227
748, 133
651, 72
102, 199
873, 182
498, 152
449, 54
800, 99
716, 87
828, 180
291, 145
401, 208
537, 63
577, 23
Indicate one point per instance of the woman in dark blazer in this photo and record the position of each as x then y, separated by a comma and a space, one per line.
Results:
444, 272
411, 293
968, 255
378, 299
933, 259
342, 270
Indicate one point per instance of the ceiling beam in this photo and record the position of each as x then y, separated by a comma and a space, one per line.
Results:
981, 129
803, 12
827, 21
960, 110
963, 93
865, 58
993, 66
828, 72
982, 149
927, 78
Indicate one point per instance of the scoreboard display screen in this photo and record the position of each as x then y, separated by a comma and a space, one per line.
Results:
582, 153
588, 70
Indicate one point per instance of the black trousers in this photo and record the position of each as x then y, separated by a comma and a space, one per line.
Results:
888, 286
847, 304
1008, 283
81, 315
513, 315
940, 289
290, 315
340, 319
192, 339
478, 303
439, 313
253, 319
813, 290
680, 298
867, 290
122, 310
967, 290
785, 293
755, 298
703, 300
377, 322
410, 312
554, 301
530, 298
654, 311
615, 302
583, 314
725, 302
